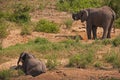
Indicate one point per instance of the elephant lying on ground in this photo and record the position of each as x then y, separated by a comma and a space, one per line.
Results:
103, 17
31, 65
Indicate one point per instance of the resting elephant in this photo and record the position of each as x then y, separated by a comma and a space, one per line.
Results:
31, 65
97, 17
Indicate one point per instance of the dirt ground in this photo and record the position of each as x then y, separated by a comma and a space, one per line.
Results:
77, 28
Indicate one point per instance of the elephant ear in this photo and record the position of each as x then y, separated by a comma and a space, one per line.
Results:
84, 15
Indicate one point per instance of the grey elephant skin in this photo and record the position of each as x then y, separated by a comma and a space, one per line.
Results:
97, 17
31, 65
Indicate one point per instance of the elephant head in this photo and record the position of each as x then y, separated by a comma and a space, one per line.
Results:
82, 15
23, 57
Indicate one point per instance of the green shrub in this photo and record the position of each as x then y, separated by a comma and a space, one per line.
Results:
116, 41
76, 5
21, 14
51, 62
113, 58
8, 74
5, 74
68, 23
117, 23
81, 60
46, 26
25, 30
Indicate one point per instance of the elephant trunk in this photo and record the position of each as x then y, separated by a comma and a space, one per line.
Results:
18, 60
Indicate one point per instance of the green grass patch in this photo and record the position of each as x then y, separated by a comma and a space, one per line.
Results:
116, 41
76, 5
68, 23
113, 58
8, 74
20, 14
52, 61
106, 41
81, 60
46, 26
26, 30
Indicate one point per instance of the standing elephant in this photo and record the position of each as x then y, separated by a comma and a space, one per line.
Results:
94, 17
30, 65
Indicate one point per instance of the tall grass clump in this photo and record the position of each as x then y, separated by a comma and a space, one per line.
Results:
46, 26
113, 58
26, 30
116, 41
51, 61
106, 41
81, 60
20, 14
5, 74
68, 23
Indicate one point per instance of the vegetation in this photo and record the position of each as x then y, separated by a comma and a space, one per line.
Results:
46, 26
3, 30
21, 14
76, 5
68, 23
7, 74
26, 30
51, 61
113, 58
81, 60
116, 41
97, 64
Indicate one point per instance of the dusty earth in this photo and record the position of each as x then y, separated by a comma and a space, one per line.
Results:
77, 28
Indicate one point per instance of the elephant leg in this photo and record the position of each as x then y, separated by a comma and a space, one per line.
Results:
105, 32
89, 28
94, 28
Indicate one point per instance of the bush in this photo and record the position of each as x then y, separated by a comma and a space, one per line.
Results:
51, 62
25, 30
114, 59
21, 14
117, 23
116, 41
46, 26
5, 74
76, 5
81, 60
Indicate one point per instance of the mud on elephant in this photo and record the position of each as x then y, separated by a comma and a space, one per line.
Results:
97, 17
31, 65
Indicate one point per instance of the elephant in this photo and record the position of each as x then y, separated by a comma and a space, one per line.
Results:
31, 65
97, 17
